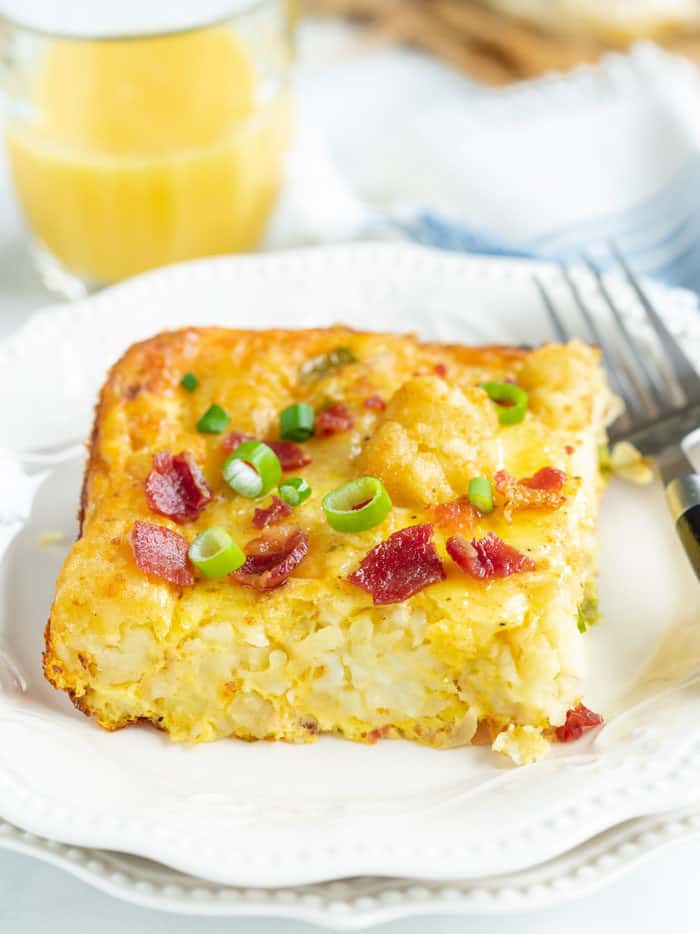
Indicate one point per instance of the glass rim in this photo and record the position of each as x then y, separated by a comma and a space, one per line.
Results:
238, 9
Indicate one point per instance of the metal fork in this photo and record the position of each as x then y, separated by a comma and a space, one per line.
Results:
662, 397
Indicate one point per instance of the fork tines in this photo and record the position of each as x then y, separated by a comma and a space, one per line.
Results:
654, 377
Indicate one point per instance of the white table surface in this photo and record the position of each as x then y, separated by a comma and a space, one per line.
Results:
662, 894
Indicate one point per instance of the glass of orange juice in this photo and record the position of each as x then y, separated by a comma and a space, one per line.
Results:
129, 150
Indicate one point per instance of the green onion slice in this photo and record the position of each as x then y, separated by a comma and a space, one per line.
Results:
215, 554
605, 463
588, 612
294, 491
214, 420
511, 400
358, 505
189, 382
318, 367
481, 494
252, 470
297, 422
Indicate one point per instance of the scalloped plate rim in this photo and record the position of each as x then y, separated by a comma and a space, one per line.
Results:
598, 862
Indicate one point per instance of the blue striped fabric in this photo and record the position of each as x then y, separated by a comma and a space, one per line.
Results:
660, 236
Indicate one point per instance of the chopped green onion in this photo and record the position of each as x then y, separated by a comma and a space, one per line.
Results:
318, 367
511, 400
297, 422
189, 382
358, 505
252, 470
481, 494
605, 463
215, 554
243, 478
588, 612
294, 490
214, 420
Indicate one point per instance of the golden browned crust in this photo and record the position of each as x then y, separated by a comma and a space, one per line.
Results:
92, 445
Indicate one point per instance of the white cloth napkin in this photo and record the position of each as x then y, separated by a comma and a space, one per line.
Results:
546, 168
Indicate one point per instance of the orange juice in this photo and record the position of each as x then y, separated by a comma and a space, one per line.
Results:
142, 152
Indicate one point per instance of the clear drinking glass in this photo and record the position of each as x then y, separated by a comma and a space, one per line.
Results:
131, 150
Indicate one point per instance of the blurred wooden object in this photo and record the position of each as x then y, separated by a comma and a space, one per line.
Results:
489, 46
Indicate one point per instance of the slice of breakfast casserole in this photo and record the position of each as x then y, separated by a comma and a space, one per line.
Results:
288, 533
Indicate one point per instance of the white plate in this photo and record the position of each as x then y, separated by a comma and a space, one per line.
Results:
362, 902
272, 814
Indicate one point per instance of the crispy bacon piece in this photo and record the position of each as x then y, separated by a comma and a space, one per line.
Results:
487, 557
458, 515
232, 440
547, 478
515, 495
440, 370
275, 512
375, 402
291, 455
578, 721
399, 567
176, 487
272, 558
161, 552
334, 420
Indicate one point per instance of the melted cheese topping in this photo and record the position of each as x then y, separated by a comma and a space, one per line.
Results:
315, 655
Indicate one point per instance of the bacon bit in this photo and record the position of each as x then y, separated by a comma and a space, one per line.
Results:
487, 557
547, 478
232, 440
379, 732
440, 370
399, 567
334, 420
275, 512
578, 721
569, 449
161, 552
459, 515
291, 455
272, 558
515, 495
375, 402
176, 487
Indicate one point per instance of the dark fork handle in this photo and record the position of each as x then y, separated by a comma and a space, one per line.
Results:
684, 499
